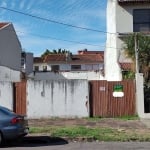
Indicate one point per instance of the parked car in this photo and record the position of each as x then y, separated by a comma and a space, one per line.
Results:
12, 125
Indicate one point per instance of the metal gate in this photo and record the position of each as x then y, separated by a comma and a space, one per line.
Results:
104, 104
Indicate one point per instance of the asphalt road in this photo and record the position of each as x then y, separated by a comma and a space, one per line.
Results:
47, 143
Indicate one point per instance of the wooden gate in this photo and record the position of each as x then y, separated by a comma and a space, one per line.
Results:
20, 97
104, 104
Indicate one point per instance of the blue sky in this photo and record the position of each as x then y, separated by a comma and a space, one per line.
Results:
37, 35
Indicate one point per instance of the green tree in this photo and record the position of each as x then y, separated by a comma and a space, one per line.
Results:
54, 51
143, 45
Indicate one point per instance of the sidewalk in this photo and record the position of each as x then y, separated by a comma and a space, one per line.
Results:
146, 122
104, 122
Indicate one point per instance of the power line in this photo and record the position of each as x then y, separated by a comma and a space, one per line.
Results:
70, 41
53, 38
54, 21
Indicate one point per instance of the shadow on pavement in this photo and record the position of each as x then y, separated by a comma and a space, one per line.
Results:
36, 141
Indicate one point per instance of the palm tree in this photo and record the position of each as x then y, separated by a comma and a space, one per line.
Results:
54, 51
143, 43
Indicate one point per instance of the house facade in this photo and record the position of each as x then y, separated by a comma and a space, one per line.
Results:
10, 53
123, 16
79, 66
67, 62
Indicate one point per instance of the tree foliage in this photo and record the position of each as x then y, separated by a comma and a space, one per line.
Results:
143, 47
54, 51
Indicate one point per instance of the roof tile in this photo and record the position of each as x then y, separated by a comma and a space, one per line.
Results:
74, 59
2, 24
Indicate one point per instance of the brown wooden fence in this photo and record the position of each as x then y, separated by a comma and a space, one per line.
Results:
20, 97
104, 104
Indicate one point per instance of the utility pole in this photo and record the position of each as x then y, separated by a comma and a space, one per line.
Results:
136, 53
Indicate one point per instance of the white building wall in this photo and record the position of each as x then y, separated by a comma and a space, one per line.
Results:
112, 69
124, 17
6, 94
119, 20
88, 75
65, 67
41, 65
7, 74
59, 98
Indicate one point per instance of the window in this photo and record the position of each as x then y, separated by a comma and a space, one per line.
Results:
75, 67
44, 68
22, 61
54, 67
36, 68
141, 20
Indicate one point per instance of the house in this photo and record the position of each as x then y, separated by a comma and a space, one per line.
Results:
10, 53
66, 66
123, 16
84, 65
67, 62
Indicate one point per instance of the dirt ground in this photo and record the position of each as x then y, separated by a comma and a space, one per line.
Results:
106, 122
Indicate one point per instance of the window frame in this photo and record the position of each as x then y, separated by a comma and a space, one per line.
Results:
37, 68
75, 67
55, 67
137, 24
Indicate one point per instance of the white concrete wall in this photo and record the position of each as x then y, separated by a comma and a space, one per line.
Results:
89, 75
6, 94
140, 97
112, 68
57, 98
7, 74
10, 48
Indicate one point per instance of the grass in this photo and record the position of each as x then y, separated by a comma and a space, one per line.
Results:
99, 134
125, 118
133, 117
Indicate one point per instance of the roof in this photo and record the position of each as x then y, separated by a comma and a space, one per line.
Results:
2, 24
90, 52
72, 59
38, 60
126, 66
133, 1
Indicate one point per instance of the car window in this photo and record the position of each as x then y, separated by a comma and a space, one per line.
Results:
6, 111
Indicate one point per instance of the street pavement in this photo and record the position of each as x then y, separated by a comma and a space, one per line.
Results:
46, 143
82, 146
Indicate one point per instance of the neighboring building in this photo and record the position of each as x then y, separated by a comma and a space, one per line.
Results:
62, 62
85, 51
67, 66
10, 53
85, 65
123, 16
27, 62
